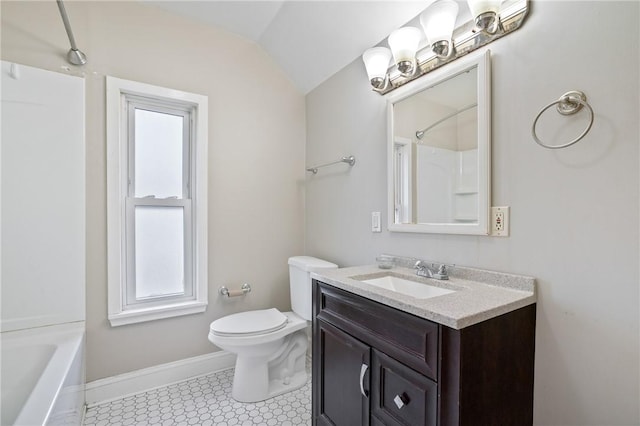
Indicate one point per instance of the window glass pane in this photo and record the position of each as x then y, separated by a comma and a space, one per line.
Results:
159, 253
158, 154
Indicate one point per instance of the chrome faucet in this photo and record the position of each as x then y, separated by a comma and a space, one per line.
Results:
423, 270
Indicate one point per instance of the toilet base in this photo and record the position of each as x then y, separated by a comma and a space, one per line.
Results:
276, 387
259, 378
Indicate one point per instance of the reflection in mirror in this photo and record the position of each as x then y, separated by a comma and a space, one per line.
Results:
439, 145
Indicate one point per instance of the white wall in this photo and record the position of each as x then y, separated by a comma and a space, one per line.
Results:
256, 159
574, 212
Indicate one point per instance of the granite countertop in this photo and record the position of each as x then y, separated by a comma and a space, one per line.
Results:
479, 295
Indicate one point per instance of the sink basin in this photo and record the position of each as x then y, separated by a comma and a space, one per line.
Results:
407, 287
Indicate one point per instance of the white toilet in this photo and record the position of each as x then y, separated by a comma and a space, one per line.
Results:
270, 345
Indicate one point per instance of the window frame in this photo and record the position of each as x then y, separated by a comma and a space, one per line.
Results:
122, 97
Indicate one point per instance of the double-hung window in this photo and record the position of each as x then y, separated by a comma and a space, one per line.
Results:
157, 202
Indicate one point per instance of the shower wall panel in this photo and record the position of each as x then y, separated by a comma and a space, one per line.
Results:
43, 198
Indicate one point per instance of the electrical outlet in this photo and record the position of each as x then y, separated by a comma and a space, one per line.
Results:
375, 222
500, 221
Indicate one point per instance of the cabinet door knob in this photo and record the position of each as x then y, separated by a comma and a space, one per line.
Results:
363, 371
401, 401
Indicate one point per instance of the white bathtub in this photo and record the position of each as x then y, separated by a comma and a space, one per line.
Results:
42, 377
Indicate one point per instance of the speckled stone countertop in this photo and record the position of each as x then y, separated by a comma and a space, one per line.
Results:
479, 295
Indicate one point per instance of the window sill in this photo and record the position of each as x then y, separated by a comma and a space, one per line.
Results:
132, 316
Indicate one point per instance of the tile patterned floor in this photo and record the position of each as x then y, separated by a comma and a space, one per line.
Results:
204, 401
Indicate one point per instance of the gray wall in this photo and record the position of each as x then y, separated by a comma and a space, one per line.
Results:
256, 159
574, 212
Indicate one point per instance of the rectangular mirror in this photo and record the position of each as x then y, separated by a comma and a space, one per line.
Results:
439, 130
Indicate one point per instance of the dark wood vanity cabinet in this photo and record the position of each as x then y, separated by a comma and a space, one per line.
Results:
376, 365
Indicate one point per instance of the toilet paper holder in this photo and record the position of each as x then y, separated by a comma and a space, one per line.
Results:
246, 288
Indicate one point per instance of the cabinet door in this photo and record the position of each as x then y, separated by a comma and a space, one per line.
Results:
401, 396
341, 377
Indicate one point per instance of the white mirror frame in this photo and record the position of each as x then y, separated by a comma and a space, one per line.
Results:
483, 62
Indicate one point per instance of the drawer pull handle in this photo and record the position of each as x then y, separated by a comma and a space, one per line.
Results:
363, 371
401, 401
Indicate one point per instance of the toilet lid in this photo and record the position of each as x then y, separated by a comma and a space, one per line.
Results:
249, 323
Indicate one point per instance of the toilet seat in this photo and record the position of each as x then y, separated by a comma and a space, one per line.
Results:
249, 323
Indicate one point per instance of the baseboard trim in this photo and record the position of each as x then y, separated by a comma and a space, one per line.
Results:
123, 385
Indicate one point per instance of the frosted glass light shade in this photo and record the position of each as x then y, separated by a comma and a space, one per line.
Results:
438, 21
478, 7
404, 45
485, 14
376, 61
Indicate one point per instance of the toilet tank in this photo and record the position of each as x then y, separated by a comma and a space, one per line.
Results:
300, 268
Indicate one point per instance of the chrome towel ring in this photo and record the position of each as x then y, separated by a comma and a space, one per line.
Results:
568, 104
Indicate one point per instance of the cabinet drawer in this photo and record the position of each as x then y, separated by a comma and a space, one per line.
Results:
407, 338
399, 395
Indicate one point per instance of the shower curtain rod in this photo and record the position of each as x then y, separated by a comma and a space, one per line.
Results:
74, 56
420, 133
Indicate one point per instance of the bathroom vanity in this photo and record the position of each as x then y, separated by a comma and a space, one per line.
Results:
383, 357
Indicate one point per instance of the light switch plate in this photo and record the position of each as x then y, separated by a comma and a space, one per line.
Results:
375, 222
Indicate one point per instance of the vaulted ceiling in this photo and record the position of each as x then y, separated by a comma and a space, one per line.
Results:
310, 40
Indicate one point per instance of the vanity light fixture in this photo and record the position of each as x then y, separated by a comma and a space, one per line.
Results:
490, 20
438, 21
486, 14
404, 45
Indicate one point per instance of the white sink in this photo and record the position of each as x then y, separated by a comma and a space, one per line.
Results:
410, 288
